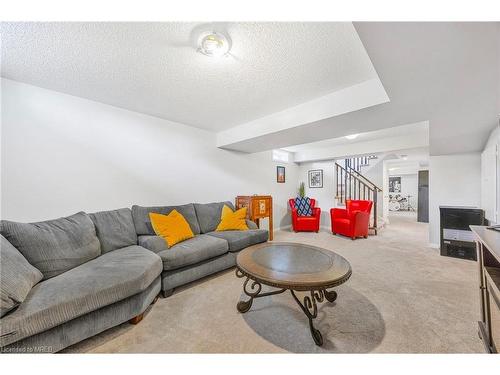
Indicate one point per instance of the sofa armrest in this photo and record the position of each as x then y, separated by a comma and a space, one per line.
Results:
251, 224
316, 212
361, 219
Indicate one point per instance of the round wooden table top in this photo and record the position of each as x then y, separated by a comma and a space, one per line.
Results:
293, 266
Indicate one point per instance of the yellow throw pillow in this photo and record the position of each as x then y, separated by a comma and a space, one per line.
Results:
233, 220
172, 227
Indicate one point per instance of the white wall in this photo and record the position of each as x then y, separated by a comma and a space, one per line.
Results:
453, 180
61, 154
490, 177
375, 173
325, 196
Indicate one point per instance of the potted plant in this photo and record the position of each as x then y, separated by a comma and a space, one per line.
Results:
302, 190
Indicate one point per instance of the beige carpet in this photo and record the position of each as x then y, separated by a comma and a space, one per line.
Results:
402, 298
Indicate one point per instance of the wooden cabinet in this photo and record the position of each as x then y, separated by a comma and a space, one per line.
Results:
488, 256
259, 207
493, 294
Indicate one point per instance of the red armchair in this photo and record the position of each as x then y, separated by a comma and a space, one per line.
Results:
354, 220
305, 223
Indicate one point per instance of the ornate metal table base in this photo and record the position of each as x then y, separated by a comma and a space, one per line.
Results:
253, 288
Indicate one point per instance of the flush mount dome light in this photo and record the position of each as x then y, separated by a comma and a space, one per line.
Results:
352, 136
213, 44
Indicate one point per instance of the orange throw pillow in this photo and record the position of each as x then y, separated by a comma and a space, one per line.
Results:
173, 227
233, 220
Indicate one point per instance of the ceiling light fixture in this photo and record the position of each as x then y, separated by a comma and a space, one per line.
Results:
214, 44
352, 136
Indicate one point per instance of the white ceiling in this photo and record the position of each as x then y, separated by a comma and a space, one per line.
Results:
390, 140
413, 161
446, 73
398, 167
411, 155
409, 131
154, 68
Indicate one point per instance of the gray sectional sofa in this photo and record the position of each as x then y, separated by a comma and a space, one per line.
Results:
208, 252
68, 279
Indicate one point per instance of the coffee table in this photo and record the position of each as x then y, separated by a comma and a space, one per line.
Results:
294, 267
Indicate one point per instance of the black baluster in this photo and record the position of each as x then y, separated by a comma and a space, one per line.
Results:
345, 185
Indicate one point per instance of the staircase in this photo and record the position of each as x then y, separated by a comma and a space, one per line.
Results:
351, 184
359, 162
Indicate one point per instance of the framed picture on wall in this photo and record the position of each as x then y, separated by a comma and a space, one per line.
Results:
395, 184
316, 178
280, 175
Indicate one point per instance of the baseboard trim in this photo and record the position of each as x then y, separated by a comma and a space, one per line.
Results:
289, 228
434, 245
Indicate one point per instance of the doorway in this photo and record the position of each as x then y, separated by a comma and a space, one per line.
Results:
423, 197
402, 194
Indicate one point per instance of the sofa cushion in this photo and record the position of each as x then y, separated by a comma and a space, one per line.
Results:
192, 251
173, 227
107, 279
153, 243
76, 330
238, 239
115, 229
251, 224
209, 214
233, 220
17, 277
54, 246
143, 223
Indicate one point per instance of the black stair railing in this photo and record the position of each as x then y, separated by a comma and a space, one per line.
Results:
353, 185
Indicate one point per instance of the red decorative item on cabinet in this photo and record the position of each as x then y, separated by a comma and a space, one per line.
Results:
354, 220
305, 223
